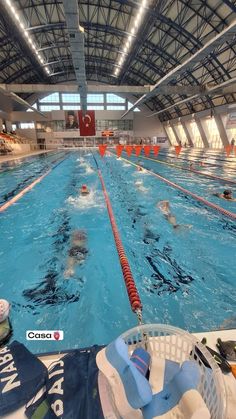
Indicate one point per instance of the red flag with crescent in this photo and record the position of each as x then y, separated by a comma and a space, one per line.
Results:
87, 123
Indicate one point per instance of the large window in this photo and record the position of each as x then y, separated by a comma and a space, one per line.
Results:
135, 109
99, 98
171, 135
181, 132
213, 137
197, 139
111, 98
33, 106
48, 108
115, 108
27, 125
123, 124
71, 107
96, 107
53, 98
72, 101
70, 98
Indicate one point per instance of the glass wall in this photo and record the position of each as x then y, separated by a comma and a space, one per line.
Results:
213, 136
101, 125
71, 101
196, 137
171, 135
27, 125
182, 134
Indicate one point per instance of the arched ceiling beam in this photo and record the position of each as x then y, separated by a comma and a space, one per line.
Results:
226, 34
15, 35
230, 5
214, 90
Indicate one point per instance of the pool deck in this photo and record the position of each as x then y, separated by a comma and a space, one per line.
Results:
9, 157
230, 381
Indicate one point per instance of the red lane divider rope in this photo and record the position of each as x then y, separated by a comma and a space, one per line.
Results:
27, 189
23, 192
193, 170
186, 191
211, 176
133, 295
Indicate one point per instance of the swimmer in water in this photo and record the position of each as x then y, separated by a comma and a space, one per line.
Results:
84, 190
77, 252
164, 206
227, 194
140, 186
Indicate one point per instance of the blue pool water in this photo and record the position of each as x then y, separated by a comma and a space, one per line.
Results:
185, 278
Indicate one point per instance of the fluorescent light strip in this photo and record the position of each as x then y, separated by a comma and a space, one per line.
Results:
130, 37
27, 36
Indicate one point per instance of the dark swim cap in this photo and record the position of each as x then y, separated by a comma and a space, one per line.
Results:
227, 192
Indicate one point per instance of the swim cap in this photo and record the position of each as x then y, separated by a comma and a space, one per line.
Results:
4, 310
84, 187
227, 192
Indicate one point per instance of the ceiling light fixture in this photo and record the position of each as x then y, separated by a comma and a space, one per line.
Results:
32, 45
131, 35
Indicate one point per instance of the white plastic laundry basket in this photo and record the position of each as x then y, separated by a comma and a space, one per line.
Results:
168, 342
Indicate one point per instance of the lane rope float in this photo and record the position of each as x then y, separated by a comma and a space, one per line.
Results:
192, 170
27, 189
132, 291
171, 156
186, 191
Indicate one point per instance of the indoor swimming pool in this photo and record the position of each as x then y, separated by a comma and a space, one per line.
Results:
184, 276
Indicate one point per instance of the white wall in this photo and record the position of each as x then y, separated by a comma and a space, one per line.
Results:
29, 133
147, 127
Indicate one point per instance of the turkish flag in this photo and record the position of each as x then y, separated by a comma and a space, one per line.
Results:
87, 123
